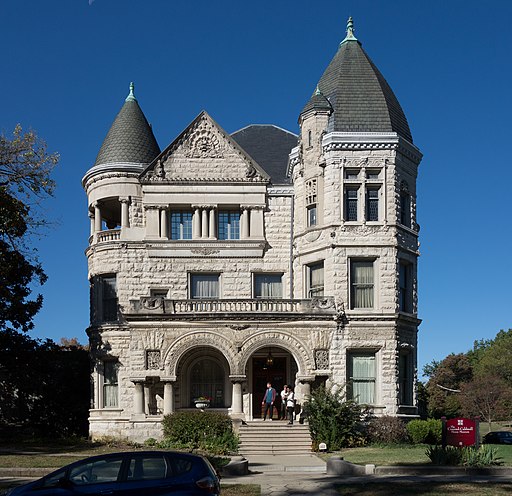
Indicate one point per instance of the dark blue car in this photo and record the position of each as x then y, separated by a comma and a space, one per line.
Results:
138, 473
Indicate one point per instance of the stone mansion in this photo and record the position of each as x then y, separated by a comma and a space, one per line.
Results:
225, 260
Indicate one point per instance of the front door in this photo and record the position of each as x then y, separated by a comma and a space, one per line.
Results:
263, 373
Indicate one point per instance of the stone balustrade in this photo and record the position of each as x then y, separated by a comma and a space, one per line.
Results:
252, 308
110, 235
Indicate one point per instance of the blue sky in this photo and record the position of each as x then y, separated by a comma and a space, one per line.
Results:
67, 65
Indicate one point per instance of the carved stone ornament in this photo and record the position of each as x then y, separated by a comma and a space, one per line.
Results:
365, 230
204, 251
322, 359
203, 143
322, 303
151, 302
313, 236
153, 359
239, 327
364, 162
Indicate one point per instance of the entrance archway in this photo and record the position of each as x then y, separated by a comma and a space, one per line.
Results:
204, 372
269, 364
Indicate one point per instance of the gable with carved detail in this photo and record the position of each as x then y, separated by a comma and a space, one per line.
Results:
204, 152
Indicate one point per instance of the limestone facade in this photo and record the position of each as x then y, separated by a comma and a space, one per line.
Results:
209, 279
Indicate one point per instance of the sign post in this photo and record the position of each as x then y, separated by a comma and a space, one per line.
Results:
460, 432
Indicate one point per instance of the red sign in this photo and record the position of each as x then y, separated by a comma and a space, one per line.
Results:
461, 432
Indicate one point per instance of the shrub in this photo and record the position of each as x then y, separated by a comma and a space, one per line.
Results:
210, 432
425, 431
333, 420
386, 430
469, 456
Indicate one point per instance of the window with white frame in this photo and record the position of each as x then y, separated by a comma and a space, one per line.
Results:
315, 274
405, 286
110, 384
362, 285
311, 202
268, 285
204, 286
362, 377
372, 203
181, 224
229, 224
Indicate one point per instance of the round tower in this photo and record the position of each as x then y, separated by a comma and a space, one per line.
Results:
355, 230
112, 183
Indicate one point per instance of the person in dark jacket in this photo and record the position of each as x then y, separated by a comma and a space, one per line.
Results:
269, 399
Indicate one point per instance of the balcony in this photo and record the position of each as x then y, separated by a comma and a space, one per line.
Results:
108, 235
147, 307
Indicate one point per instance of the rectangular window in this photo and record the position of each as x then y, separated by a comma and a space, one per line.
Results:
361, 377
405, 287
311, 202
204, 286
372, 174
351, 204
181, 225
229, 224
405, 209
351, 174
372, 204
316, 280
104, 299
110, 384
362, 284
405, 379
268, 286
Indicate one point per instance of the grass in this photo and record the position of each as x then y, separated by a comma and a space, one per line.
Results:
401, 455
425, 488
240, 490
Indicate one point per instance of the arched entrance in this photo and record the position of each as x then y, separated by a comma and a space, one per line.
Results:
204, 372
269, 364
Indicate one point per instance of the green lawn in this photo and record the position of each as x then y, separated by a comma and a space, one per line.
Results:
401, 455
425, 489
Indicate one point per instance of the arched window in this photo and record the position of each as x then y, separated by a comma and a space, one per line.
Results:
207, 378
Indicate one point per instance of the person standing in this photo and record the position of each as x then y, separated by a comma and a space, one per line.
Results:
290, 405
284, 394
268, 401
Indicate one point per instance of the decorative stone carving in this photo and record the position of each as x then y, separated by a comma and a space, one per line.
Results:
322, 303
322, 359
313, 235
203, 143
238, 327
153, 359
204, 251
151, 302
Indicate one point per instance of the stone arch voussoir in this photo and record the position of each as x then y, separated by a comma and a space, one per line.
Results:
192, 340
296, 347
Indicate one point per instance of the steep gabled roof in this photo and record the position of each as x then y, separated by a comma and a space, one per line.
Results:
361, 98
270, 146
130, 138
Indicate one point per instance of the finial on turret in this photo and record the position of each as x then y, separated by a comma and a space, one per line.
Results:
317, 91
350, 31
131, 96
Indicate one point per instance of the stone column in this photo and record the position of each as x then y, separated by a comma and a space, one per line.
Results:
138, 397
97, 217
196, 223
256, 221
164, 225
92, 224
213, 227
204, 223
168, 397
237, 410
244, 223
147, 398
125, 218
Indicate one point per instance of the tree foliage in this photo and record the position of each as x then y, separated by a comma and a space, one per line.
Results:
25, 168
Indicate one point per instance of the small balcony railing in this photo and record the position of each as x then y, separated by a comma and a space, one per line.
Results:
110, 235
254, 307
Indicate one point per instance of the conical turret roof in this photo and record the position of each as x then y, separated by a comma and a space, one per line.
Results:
130, 138
361, 98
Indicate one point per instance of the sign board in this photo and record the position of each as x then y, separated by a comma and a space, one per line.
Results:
461, 432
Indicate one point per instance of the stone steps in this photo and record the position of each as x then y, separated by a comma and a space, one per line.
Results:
276, 438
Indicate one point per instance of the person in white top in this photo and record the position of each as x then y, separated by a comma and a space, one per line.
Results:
284, 394
290, 404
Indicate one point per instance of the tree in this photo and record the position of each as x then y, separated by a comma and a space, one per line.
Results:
489, 397
444, 385
25, 168
495, 359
